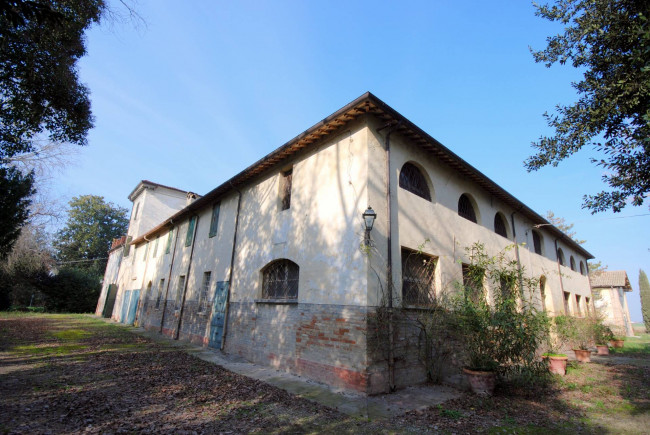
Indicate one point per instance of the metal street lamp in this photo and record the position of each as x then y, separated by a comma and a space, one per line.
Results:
369, 217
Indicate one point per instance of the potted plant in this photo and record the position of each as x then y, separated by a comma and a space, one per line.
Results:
617, 342
602, 335
561, 328
582, 338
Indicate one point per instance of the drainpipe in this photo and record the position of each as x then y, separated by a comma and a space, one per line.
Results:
389, 260
189, 268
514, 237
169, 278
232, 268
559, 271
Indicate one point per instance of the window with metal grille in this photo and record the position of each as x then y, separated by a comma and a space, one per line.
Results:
500, 225
582, 268
161, 285
572, 262
473, 282
189, 237
466, 209
418, 278
214, 220
537, 242
412, 179
280, 280
179, 291
205, 292
560, 256
285, 189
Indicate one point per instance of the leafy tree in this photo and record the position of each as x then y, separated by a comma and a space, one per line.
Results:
596, 266
561, 224
644, 292
15, 190
91, 226
72, 290
610, 40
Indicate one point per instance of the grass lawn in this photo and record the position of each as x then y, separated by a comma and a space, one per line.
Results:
76, 373
638, 346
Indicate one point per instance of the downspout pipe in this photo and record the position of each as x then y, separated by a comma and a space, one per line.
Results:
187, 280
169, 278
389, 258
559, 271
514, 237
232, 268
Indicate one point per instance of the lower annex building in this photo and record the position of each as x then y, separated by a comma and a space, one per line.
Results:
270, 265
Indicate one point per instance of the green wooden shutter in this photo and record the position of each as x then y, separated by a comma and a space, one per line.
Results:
169, 241
214, 222
190, 231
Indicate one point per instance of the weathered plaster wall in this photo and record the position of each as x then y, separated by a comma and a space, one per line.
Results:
110, 277
612, 304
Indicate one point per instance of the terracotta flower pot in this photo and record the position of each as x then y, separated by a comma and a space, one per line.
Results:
583, 355
617, 343
482, 383
557, 364
602, 349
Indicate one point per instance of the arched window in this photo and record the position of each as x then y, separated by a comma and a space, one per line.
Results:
465, 208
537, 242
412, 179
500, 225
582, 268
572, 262
280, 280
560, 256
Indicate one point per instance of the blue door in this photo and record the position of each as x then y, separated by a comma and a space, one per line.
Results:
218, 314
133, 306
125, 305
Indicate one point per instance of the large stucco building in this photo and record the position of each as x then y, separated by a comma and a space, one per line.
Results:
609, 288
272, 265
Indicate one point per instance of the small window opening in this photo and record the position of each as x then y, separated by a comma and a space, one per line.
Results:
285, 189
179, 291
537, 243
473, 282
567, 310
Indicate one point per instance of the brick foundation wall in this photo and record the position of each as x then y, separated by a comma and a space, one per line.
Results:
326, 343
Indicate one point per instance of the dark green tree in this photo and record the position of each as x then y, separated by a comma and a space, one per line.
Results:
610, 41
15, 190
91, 226
644, 292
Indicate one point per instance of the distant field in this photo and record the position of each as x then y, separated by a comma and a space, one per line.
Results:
639, 328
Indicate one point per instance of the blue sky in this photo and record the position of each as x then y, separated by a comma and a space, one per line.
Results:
206, 88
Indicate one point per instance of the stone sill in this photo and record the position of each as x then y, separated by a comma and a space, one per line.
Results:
277, 301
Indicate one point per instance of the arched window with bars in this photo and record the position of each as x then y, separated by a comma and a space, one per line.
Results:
466, 209
500, 225
412, 179
560, 256
572, 263
280, 280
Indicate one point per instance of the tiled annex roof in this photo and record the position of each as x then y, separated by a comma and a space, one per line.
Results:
610, 278
365, 104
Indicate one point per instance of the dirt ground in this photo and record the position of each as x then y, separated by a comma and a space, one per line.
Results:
73, 374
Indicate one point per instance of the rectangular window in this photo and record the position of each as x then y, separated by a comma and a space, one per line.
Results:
179, 291
135, 212
418, 273
161, 286
155, 247
168, 246
587, 307
537, 243
214, 221
285, 189
567, 296
507, 285
127, 246
578, 311
205, 292
473, 282
190, 231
